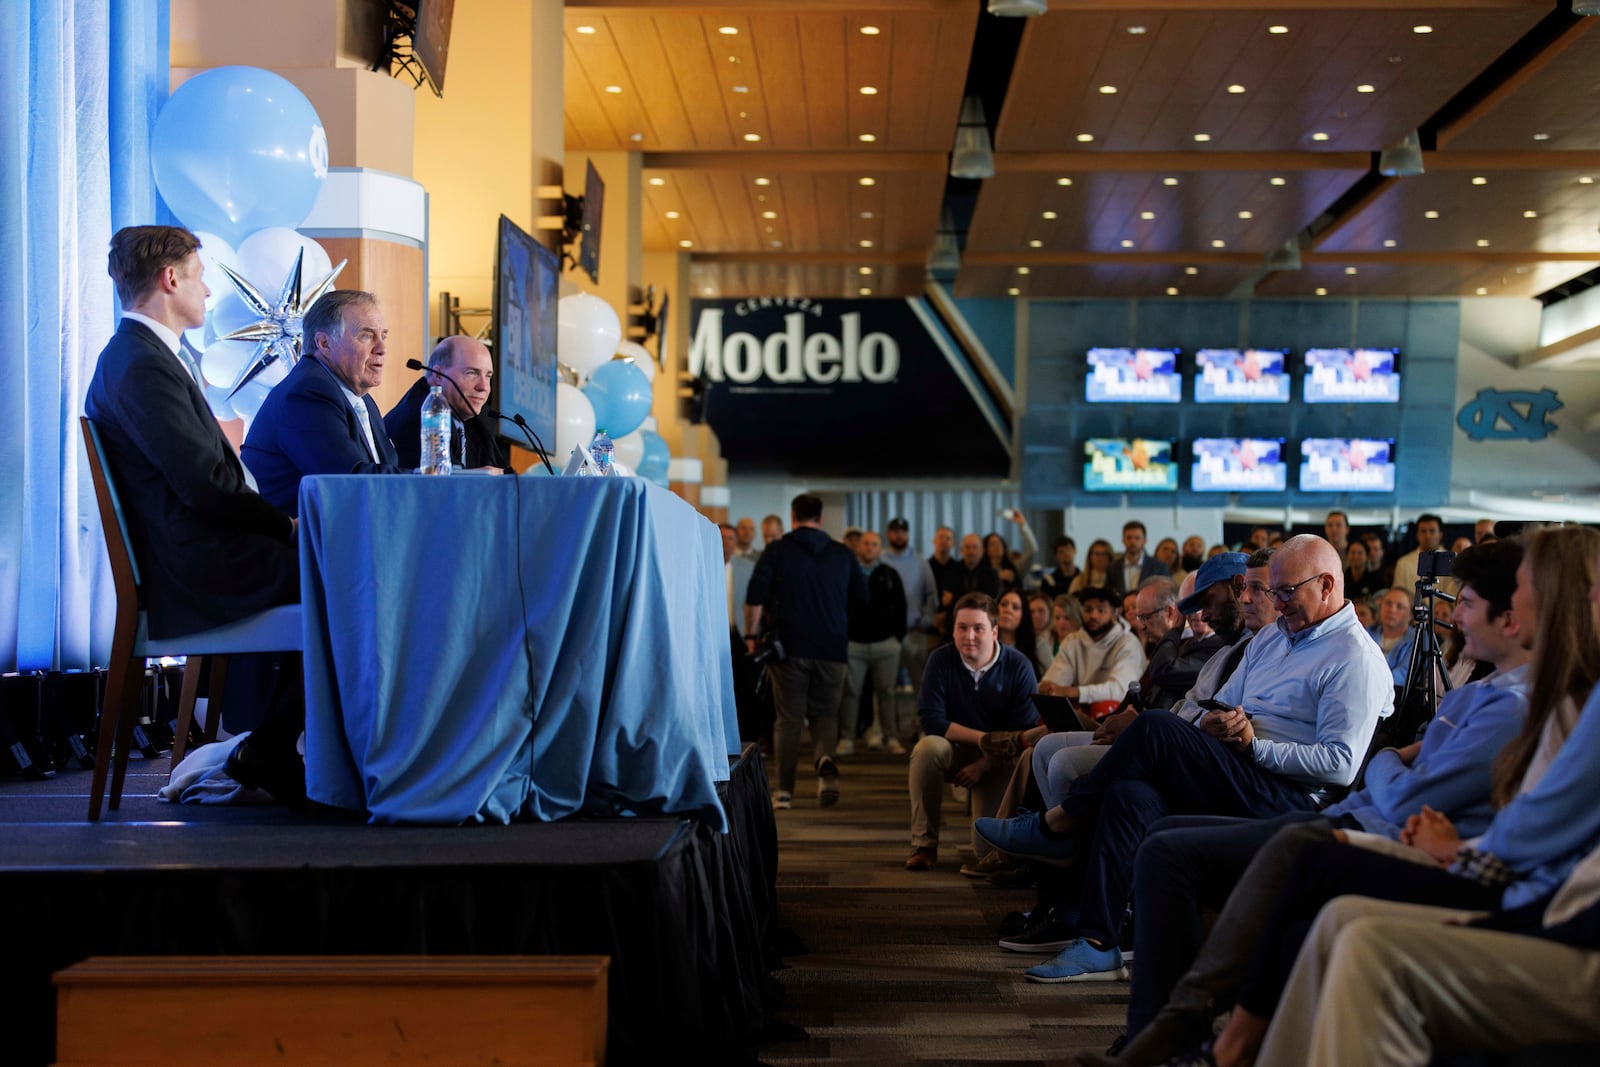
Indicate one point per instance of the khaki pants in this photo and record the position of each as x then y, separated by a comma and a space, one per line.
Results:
934, 762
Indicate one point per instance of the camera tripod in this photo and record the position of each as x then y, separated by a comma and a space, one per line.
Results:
1425, 669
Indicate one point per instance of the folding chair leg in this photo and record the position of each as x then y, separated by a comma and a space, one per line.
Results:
186, 698
132, 686
219, 678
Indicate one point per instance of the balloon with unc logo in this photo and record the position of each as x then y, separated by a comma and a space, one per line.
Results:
653, 466
237, 149
574, 422
621, 396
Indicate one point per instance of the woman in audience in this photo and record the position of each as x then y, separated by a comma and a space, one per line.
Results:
1066, 618
1096, 572
1167, 552
1015, 626
1360, 580
1039, 608
1544, 786
998, 555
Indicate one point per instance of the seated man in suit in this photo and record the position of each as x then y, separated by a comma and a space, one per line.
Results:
320, 420
210, 549
473, 444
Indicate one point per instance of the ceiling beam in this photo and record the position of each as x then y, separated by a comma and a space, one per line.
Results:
798, 7
1167, 162
1510, 83
1585, 344
912, 258
1377, 188
1538, 160
1476, 257
896, 6
801, 162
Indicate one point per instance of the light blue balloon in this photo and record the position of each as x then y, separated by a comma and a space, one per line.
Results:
653, 466
620, 393
237, 149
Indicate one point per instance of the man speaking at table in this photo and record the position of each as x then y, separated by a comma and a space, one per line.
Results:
473, 442
319, 419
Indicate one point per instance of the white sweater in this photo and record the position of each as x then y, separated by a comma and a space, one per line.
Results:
1103, 669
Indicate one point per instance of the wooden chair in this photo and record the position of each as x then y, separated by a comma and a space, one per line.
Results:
274, 630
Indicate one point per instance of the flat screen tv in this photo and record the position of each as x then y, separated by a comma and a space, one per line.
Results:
525, 292
1134, 375
1240, 376
1352, 376
594, 204
1347, 465
430, 40
1128, 465
1238, 465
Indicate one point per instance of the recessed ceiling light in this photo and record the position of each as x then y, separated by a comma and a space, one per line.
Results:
1246, 215
1085, 138
1127, 243
769, 229
728, 31
1172, 291
1389, 243
1235, 89
1219, 243
866, 214
864, 291
870, 31
868, 90
1541, 137
769, 214
674, 215
1047, 214
686, 243
613, 88
752, 137
658, 181
1277, 181
1202, 137
1481, 291
1277, 29
1480, 180
1063, 181
1169, 181
763, 181
586, 30
741, 88
1024, 270
1191, 270
1530, 214
1321, 291
1483, 242
1147, 215
1585, 180
1013, 291
866, 138
1035, 243
1430, 214
1366, 88
1349, 270
866, 181
863, 270
1319, 136
707, 291
1422, 29
1109, 90
1136, 30
864, 244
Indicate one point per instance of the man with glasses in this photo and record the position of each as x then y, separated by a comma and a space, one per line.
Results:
1292, 722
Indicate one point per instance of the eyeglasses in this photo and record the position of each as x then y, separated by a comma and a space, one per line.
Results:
1285, 593
1146, 616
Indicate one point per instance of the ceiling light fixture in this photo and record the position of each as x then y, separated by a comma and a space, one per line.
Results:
1172, 291
769, 214
1108, 90
613, 88
1246, 215
1366, 88
866, 138
1389, 243
775, 244
741, 88
1402, 159
1321, 291
1480, 180
1191, 270
1202, 137
866, 214
1036, 243
868, 90
1236, 89
1219, 243
1349, 270
658, 181
1127, 243
1285, 256
869, 31
1085, 138
674, 215
1422, 29
763, 181
1047, 214
586, 30
1013, 291
863, 270
1137, 30
1147, 215
1277, 29
686, 243
1024, 270
864, 180
728, 31
1483, 242
1169, 181
1018, 9
944, 261
752, 137
1430, 214
1063, 181
1481, 291
864, 244
864, 291
973, 155
1277, 181
1541, 137
1585, 180
1319, 136
1530, 214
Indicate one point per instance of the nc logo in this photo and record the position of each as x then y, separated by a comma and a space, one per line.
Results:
1496, 415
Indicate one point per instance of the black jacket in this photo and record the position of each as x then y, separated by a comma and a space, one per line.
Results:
1174, 666
809, 582
404, 423
884, 614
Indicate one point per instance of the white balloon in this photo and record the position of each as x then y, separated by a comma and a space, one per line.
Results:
587, 332
630, 449
248, 401
196, 338
223, 361
216, 253
622, 469
641, 358
574, 421
649, 423
221, 406
231, 313
266, 257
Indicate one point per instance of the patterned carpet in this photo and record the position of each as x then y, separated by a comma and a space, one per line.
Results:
903, 967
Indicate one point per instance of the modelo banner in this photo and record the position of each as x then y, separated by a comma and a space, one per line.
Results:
840, 388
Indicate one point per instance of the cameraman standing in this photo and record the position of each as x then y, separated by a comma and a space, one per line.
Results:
804, 585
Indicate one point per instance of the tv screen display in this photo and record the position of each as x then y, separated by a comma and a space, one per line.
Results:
1352, 376
1123, 375
430, 40
1128, 464
1239, 465
525, 293
1234, 376
1347, 465
594, 203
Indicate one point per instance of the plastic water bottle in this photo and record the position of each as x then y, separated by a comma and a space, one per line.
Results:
603, 451
436, 423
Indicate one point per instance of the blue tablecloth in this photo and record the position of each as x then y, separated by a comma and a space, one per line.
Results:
441, 687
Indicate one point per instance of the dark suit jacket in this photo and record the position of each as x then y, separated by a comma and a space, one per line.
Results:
404, 422
210, 550
1149, 567
306, 426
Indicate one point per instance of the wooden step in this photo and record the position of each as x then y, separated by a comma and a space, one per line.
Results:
244, 1011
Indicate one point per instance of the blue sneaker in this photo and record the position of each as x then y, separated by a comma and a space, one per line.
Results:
1025, 836
1081, 962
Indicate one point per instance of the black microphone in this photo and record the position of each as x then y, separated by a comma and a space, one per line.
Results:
416, 364
527, 431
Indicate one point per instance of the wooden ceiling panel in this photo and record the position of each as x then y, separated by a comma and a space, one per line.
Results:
694, 76
1438, 279
778, 64
1566, 213
1560, 101
826, 92
1173, 78
1106, 279
837, 281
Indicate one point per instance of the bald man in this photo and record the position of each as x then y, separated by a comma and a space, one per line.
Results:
474, 444
1294, 722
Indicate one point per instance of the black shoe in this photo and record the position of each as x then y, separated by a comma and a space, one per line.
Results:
1014, 923
1045, 935
283, 774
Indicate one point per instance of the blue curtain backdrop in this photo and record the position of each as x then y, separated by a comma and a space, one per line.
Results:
81, 82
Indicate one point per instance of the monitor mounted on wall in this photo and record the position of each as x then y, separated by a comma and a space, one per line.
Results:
594, 202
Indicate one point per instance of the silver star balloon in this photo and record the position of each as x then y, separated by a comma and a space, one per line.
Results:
278, 330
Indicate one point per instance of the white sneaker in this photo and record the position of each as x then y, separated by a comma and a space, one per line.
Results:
960, 794
875, 740
782, 800
894, 747
846, 747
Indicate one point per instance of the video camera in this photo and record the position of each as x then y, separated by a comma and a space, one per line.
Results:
1438, 564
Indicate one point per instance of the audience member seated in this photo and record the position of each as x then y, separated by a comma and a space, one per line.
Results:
1059, 581
1015, 627
474, 442
1394, 633
1315, 686
971, 688
1045, 644
320, 419
1167, 552
1375, 560
1096, 573
1186, 866
1194, 553
1066, 619
1336, 529
1361, 580
1098, 662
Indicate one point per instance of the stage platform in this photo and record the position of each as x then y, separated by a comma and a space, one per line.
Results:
684, 913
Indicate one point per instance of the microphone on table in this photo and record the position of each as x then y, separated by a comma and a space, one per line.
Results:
527, 431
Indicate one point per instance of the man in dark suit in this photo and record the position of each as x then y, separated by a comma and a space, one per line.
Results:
1129, 572
319, 419
474, 443
210, 549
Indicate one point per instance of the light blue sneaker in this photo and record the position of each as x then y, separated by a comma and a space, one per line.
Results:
1081, 962
1025, 836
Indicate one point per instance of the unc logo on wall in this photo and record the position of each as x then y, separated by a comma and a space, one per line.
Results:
1509, 415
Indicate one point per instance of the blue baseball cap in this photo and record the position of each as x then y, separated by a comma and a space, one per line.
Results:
1222, 567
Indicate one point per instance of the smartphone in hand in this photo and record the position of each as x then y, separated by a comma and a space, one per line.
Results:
1211, 704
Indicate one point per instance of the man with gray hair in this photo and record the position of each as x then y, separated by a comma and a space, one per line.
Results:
319, 419
474, 440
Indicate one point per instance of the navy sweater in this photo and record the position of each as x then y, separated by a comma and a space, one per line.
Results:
1002, 699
